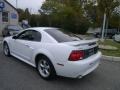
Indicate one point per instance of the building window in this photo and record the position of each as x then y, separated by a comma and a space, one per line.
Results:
5, 16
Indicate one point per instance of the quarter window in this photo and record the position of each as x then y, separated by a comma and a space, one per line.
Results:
36, 36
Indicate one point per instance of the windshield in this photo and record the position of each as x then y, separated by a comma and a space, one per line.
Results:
15, 28
61, 36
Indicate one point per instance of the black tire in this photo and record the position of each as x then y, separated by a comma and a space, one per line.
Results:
42, 69
6, 49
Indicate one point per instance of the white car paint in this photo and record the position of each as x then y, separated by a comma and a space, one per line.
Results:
57, 52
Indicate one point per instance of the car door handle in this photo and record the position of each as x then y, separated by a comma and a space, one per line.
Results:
29, 46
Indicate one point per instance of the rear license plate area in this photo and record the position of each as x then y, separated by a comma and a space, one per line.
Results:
90, 52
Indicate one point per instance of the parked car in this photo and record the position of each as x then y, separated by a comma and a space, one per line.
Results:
117, 38
11, 30
109, 33
54, 52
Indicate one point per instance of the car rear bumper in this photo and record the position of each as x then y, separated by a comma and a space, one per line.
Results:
81, 68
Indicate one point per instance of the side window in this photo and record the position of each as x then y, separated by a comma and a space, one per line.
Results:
30, 35
25, 35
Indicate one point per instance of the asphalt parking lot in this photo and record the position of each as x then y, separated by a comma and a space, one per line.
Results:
16, 75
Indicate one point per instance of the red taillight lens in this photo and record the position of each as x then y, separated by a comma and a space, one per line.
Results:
76, 55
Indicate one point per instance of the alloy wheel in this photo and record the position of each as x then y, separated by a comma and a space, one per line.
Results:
44, 68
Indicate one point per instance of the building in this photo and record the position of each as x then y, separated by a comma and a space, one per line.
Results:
8, 15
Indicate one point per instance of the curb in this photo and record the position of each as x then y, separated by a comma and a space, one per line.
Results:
111, 58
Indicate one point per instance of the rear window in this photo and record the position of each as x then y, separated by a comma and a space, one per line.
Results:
61, 36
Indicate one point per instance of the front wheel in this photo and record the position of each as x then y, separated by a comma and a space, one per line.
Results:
46, 69
6, 49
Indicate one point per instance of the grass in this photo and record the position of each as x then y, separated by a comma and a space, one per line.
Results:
115, 53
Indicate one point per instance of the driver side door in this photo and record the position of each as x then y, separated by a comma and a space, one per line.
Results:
21, 46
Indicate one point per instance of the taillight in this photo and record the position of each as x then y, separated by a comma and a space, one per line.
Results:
76, 55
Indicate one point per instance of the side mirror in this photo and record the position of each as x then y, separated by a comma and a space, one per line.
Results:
14, 37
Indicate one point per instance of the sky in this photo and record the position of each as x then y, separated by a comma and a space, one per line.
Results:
33, 5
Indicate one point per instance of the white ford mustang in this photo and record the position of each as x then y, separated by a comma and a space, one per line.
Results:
54, 52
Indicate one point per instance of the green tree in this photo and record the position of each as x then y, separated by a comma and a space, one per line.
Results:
27, 14
115, 21
66, 14
21, 14
94, 15
107, 6
95, 11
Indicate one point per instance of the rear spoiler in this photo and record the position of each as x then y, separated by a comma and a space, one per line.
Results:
83, 42
89, 42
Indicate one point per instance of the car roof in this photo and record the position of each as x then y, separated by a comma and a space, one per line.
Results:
41, 28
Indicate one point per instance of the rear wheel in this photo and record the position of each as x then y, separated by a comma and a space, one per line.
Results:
6, 49
45, 68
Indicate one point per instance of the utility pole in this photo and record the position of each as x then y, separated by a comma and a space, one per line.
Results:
16, 3
103, 28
